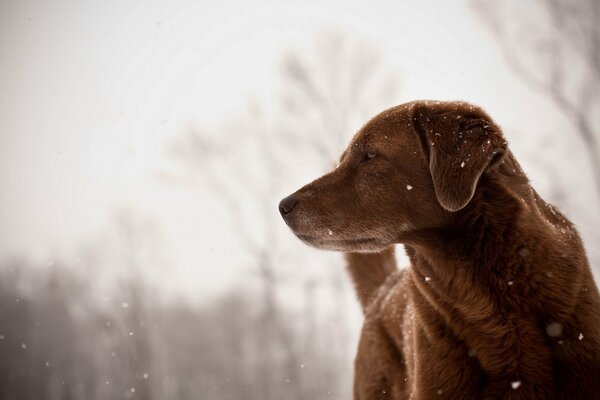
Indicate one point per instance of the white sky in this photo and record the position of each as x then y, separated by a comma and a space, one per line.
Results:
91, 92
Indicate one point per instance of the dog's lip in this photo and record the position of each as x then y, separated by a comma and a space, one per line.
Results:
313, 238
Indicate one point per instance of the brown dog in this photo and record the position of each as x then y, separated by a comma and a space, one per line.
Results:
499, 302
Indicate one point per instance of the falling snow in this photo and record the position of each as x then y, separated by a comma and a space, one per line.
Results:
554, 329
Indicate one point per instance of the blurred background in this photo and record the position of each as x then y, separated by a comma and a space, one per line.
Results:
144, 146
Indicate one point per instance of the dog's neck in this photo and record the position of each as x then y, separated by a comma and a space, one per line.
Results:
473, 275
487, 245
479, 231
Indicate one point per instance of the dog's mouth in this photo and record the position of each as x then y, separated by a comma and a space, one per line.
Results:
340, 244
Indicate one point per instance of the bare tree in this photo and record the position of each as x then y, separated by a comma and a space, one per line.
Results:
328, 94
138, 353
325, 94
555, 49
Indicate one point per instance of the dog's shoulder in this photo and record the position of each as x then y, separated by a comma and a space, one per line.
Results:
387, 294
388, 310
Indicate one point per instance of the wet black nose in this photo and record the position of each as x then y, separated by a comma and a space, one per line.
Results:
287, 205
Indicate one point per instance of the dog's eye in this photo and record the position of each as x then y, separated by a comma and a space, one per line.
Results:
369, 156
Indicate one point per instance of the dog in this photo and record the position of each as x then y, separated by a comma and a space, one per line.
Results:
499, 301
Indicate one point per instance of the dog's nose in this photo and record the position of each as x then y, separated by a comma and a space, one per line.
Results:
287, 205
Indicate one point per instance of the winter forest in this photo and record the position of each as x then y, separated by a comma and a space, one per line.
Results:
145, 148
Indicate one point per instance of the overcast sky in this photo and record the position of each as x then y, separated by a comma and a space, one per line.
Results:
91, 93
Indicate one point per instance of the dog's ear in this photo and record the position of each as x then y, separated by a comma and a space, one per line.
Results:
462, 143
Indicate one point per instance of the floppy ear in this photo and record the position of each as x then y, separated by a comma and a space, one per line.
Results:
462, 143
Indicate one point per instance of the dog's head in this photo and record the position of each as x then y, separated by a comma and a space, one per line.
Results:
410, 168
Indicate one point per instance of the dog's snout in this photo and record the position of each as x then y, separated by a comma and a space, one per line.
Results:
287, 205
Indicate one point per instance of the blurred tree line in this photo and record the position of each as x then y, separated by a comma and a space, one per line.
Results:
57, 341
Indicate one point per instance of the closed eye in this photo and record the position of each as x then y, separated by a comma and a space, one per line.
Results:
369, 155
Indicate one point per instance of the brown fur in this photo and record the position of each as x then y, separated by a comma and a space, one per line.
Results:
499, 301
